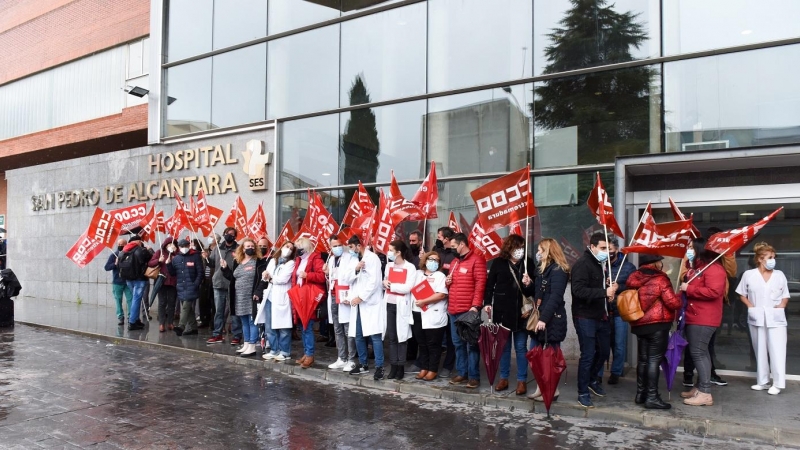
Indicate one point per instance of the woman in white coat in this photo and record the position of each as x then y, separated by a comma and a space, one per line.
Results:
398, 280
368, 308
339, 263
765, 291
278, 307
430, 324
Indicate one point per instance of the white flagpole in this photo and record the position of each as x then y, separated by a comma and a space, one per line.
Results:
707, 266
633, 236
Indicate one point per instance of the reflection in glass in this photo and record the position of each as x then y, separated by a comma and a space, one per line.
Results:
735, 100
387, 50
190, 85
285, 15
189, 28
575, 34
239, 86
475, 42
303, 70
692, 26
309, 156
237, 21
293, 207
479, 132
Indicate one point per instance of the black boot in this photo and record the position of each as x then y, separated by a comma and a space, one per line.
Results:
654, 355
400, 373
392, 373
641, 389
654, 400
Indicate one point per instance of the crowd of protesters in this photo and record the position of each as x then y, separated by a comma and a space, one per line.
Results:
368, 300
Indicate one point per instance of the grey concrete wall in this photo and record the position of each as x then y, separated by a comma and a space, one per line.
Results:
39, 240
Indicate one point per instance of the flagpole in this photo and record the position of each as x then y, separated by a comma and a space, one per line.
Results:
633, 237
707, 266
527, 230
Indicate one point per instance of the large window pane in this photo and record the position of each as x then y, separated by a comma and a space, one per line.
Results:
572, 34
735, 100
356, 6
478, 132
237, 21
376, 141
239, 86
293, 207
189, 28
304, 73
190, 86
386, 51
475, 42
594, 118
691, 26
309, 155
287, 15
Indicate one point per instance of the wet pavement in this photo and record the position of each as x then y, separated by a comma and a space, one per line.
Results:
68, 391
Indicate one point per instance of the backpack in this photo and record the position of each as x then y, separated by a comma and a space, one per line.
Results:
129, 266
630, 310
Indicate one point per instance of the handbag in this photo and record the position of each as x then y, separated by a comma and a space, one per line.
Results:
529, 308
152, 272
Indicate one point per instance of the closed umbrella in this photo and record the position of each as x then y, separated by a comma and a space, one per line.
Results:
547, 364
305, 300
468, 327
675, 347
491, 342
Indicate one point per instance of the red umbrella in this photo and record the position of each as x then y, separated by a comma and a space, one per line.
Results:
305, 299
491, 342
547, 363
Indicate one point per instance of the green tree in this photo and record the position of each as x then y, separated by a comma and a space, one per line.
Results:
360, 147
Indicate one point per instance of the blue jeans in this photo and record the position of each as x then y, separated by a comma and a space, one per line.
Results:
137, 289
221, 306
468, 356
594, 337
361, 344
520, 339
269, 333
249, 329
118, 290
308, 339
618, 347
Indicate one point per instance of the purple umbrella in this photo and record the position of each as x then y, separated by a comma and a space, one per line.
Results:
491, 342
675, 346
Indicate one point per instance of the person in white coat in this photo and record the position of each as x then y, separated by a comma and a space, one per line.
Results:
338, 264
398, 280
368, 311
278, 307
430, 325
765, 292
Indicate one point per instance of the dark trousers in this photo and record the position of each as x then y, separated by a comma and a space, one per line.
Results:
429, 343
594, 337
450, 356
397, 349
167, 299
206, 303
688, 362
651, 351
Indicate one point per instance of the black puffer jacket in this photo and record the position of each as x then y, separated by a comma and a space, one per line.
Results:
588, 289
188, 272
503, 291
550, 288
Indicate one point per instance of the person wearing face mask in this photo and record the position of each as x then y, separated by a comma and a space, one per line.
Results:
509, 280
765, 292
659, 304
187, 268
245, 276
398, 305
446, 256
167, 294
415, 247
430, 317
621, 269
466, 283
225, 252
308, 268
118, 285
591, 291
339, 262
278, 320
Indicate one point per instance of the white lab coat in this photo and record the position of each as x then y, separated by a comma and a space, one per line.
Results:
767, 323
346, 264
278, 294
436, 314
401, 294
368, 286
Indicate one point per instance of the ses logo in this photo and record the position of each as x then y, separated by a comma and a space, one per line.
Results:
256, 160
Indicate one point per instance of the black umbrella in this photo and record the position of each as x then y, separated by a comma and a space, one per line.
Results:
468, 327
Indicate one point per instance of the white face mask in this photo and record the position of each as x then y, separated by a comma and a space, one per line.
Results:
171, 248
769, 264
518, 253
285, 252
184, 250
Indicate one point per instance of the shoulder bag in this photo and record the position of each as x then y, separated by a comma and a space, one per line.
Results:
529, 308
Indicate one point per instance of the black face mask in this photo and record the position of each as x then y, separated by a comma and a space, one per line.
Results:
250, 251
300, 252
263, 250
229, 238
439, 243
120, 247
414, 248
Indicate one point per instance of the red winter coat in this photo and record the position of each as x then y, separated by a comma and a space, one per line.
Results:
656, 297
469, 283
705, 294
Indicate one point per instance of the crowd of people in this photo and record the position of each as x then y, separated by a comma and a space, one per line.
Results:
370, 311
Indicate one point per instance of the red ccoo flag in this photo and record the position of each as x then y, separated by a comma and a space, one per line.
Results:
286, 235
129, 217
383, 226
515, 228
504, 201
731, 241
256, 227
200, 209
427, 196
678, 215
214, 214
360, 206
487, 244
602, 209
665, 239
149, 224
452, 223
160, 227
400, 207
237, 218
104, 228
84, 250
174, 225
319, 224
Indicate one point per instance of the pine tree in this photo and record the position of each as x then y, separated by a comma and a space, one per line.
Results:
360, 145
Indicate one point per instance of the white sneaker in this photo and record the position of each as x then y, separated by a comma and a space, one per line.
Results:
241, 349
759, 387
350, 365
773, 391
280, 358
269, 356
338, 364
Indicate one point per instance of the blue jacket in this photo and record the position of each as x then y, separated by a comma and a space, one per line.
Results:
189, 272
624, 271
111, 266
